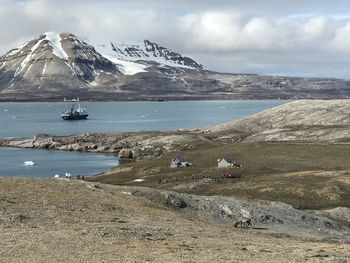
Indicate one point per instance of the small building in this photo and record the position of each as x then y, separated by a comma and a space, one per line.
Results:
179, 161
227, 162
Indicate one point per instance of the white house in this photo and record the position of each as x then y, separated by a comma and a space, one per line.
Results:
227, 162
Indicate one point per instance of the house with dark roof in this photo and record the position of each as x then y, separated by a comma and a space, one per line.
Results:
179, 161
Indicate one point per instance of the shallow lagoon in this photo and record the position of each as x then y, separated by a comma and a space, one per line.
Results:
48, 163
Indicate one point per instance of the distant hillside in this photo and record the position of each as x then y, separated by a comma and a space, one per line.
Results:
305, 120
57, 65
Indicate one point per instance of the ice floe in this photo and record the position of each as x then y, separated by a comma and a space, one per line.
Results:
139, 180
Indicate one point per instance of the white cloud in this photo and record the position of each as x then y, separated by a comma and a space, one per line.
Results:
341, 40
229, 36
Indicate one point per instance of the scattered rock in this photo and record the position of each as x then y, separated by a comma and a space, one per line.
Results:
21, 218
175, 201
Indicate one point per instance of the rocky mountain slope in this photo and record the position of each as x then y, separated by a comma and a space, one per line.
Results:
54, 63
148, 54
57, 65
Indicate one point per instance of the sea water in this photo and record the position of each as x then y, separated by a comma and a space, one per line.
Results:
27, 119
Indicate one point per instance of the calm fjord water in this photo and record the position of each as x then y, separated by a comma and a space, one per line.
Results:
27, 119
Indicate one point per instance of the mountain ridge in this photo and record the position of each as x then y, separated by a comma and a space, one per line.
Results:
56, 65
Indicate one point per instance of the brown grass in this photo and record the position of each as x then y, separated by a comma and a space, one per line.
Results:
271, 171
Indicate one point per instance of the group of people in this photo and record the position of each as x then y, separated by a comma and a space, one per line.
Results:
69, 176
176, 178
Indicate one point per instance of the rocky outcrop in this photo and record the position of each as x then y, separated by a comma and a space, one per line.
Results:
143, 145
125, 153
272, 216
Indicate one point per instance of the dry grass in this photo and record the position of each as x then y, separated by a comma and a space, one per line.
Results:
72, 221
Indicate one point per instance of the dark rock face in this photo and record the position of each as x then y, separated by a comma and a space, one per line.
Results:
84, 59
159, 51
152, 52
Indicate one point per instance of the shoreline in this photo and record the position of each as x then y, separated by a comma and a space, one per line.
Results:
152, 99
161, 98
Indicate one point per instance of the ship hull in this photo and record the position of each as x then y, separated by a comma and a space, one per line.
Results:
75, 117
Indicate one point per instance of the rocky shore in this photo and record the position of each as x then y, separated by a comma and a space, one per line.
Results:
142, 145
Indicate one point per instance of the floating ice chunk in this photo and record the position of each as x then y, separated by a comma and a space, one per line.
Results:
139, 180
29, 163
6, 110
56, 176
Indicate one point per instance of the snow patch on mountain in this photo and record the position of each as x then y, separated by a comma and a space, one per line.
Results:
127, 67
55, 42
44, 69
148, 51
3, 64
27, 59
138, 56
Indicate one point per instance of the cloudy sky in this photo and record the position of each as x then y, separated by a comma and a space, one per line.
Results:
282, 37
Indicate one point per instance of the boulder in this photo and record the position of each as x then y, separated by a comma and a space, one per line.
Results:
125, 153
175, 201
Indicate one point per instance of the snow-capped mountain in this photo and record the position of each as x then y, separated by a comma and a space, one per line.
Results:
56, 61
137, 57
53, 61
57, 65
